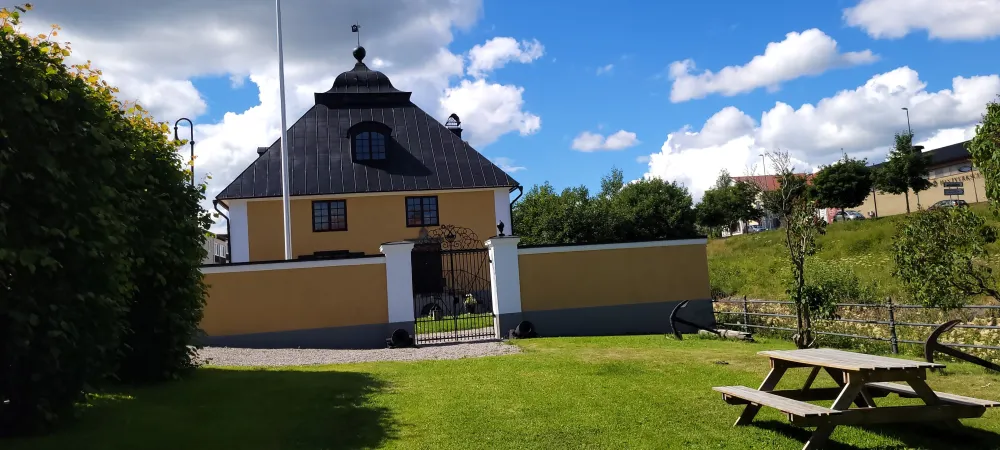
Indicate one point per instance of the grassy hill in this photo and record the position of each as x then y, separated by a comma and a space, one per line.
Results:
756, 265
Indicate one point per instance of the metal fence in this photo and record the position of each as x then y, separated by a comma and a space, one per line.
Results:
886, 314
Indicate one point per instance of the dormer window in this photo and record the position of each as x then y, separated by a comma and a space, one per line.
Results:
369, 145
370, 141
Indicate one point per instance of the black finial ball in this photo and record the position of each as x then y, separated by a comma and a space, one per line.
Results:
500, 228
359, 53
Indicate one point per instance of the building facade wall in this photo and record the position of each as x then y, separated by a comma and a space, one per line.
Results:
318, 304
371, 221
614, 289
892, 204
215, 250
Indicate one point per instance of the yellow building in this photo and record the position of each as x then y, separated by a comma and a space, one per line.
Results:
366, 167
954, 178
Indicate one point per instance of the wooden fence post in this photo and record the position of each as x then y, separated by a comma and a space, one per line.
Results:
893, 340
746, 316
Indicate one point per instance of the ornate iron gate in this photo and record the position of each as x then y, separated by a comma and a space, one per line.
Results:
452, 296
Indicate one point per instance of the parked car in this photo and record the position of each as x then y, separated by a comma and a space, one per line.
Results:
755, 229
949, 204
841, 216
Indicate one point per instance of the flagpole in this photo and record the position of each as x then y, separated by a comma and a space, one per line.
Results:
284, 139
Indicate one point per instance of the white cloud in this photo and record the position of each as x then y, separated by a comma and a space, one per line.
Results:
489, 110
236, 39
605, 69
801, 54
499, 51
859, 121
379, 63
947, 136
507, 165
237, 81
592, 142
942, 19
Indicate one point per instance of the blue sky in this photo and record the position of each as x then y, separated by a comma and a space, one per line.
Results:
561, 92
640, 39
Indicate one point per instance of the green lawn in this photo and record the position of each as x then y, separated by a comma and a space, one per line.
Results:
748, 264
452, 323
632, 392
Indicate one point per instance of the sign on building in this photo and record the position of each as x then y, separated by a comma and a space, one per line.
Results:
953, 184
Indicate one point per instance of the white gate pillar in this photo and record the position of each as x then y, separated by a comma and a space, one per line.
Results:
399, 284
505, 281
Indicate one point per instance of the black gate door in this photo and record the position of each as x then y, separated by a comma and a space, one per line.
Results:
452, 295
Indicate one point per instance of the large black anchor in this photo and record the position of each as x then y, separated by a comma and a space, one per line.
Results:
674, 320
932, 345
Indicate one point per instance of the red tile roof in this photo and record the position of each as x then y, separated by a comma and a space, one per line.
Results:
768, 182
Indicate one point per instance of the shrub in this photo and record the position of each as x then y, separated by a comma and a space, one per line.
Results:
166, 308
100, 236
841, 284
64, 235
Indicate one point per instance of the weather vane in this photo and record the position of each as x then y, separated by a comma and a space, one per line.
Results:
357, 29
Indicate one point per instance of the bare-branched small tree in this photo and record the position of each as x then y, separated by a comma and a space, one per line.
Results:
787, 196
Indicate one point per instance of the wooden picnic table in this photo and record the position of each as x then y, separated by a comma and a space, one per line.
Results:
861, 378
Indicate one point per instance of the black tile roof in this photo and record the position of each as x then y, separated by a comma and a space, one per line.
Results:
946, 154
422, 154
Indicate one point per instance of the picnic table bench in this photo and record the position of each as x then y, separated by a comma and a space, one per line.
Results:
860, 378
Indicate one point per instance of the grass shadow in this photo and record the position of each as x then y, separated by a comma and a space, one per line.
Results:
219, 408
911, 435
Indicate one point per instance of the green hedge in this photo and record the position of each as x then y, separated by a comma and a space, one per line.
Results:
100, 237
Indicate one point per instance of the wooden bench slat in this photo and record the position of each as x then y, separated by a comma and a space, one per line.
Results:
844, 360
948, 398
783, 404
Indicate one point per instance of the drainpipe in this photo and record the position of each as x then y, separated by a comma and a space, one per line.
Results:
229, 236
520, 192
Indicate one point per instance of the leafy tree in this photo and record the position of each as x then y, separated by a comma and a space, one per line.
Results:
941, 256
985, 149
100, 235
546, 217
652, 209
727, 203
905, 170
844, 184
714, 211
745, 204
641, 210
798, 214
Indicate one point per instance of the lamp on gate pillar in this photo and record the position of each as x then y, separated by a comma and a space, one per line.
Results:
190, 142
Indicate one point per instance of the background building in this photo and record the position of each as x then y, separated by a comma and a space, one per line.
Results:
216, 248
951, 164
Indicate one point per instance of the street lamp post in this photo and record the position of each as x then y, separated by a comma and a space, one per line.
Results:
908, 129
190, 142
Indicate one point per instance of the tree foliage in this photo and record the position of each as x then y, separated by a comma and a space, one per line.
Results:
726, 204
100, 236
905, 170
942, 258
843, 184
985, 149
648, 209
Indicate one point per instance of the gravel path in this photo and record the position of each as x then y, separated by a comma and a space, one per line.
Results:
225, 356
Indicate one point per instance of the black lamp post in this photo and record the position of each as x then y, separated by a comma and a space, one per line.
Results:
190, 142
908, 129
